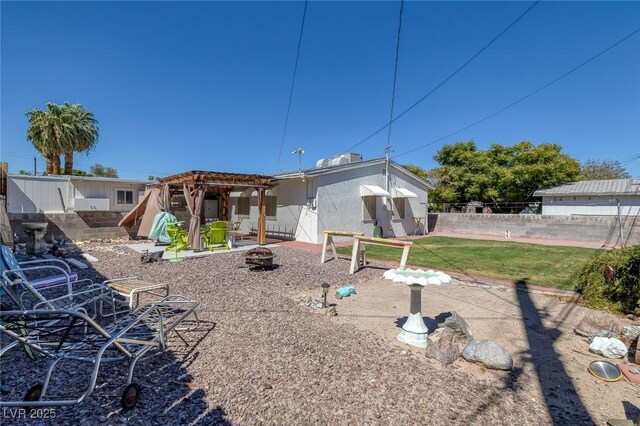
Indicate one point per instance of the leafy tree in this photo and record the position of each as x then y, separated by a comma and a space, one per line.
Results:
102, 171
25, 172
61, 129
603, 169
80, 173
85, 134
499, 174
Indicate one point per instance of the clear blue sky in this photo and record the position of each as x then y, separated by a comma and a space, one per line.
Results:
180, 86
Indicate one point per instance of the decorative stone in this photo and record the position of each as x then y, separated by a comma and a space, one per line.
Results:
602, 333
629, 334
610, 348
459, 326
595, 322
488, 353
331, 311
443, 346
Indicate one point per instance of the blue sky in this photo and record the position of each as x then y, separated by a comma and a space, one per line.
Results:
180, 86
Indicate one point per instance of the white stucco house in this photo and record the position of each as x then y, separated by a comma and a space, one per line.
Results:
66, 194
340, 194
592, 198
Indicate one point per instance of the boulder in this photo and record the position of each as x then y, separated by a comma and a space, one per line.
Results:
629, 334
593, 323
610, 348
488, 353
456, 323
443, 346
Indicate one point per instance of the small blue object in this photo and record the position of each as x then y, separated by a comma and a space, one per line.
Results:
346, 291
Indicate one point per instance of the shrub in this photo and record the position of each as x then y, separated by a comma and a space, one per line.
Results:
622, 292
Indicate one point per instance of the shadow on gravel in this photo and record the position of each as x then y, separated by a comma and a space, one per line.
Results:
563, 402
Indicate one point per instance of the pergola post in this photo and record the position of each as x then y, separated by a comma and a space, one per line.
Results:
224, 195
262, 218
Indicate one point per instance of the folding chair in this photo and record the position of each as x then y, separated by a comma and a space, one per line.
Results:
73, 336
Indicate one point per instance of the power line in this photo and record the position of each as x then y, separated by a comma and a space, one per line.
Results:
293, 82
602, 52
460, 68
395, 76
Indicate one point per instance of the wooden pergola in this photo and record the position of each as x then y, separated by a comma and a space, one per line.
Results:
195, 183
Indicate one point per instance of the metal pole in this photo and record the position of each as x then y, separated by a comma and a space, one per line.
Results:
387, 203
35, 170
620, 223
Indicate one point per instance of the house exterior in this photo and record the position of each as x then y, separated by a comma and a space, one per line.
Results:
592, 198
65, 194
343, 193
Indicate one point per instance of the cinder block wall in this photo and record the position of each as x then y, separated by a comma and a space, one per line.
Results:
77, 226
596, 229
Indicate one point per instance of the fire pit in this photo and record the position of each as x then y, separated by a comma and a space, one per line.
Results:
259, 258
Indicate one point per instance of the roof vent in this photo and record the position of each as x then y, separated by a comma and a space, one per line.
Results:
323, 162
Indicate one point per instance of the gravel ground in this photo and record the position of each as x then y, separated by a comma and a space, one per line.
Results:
261, 358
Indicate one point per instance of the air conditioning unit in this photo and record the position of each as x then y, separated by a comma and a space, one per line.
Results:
91, 204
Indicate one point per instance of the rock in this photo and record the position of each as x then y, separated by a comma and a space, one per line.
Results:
331, 311
459, 326
443, 346
595, 322
637, 360
610, 348
631, 317
602, 333
488, 353
629, 334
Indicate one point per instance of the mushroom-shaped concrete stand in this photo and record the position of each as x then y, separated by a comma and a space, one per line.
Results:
414, 331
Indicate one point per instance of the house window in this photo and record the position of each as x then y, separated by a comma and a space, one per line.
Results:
369, 207
271, 204
124, 197
244, 206
399, 208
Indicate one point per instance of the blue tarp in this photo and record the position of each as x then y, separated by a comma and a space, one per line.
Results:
159, 227
346, 291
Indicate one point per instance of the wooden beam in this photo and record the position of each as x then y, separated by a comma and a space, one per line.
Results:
262, 219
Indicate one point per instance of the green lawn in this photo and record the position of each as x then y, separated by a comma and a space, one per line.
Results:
550, 266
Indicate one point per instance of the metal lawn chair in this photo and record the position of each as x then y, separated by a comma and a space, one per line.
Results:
73, 336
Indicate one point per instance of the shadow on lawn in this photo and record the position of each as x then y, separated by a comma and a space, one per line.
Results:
562, 400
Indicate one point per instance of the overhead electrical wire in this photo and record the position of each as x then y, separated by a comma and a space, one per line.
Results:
293, 83
395, 76
512, 104
443, 82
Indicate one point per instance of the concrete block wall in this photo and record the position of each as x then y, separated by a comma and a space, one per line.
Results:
596, 229
76, 226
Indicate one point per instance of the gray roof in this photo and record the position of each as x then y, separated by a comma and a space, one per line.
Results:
593, 187
319, 171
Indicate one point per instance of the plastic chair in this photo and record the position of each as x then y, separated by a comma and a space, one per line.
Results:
218, 236
179, 237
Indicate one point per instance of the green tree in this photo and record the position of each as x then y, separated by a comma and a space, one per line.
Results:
85, 134
102, 171
80, 173
499, 174
603, 169
61, 129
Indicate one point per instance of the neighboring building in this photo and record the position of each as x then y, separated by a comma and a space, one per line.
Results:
592, 198
65, 194
341, 194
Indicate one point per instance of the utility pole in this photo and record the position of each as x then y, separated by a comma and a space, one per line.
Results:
35, 169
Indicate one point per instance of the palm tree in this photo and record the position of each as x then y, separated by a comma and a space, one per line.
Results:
85, 134
61, 129
49, 132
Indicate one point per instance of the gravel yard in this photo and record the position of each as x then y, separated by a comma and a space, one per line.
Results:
262, 358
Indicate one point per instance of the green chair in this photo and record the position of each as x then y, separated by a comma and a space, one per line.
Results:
218, 236
179, 237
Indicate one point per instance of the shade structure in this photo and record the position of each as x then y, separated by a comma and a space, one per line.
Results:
372, 191
403, 193
146, 209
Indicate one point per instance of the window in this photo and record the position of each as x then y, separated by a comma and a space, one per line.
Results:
399, 208
369, 207
244, 206
124, 197
271, 204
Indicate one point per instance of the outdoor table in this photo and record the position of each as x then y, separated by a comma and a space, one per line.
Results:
415, 331
131, 288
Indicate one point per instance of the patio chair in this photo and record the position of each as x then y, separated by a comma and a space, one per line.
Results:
218, 236
14, 274
71, 335
179, 237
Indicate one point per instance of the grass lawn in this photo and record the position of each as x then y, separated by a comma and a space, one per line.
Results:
550, 266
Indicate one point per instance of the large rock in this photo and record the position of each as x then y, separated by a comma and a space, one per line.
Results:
488, 353
456, 323
610, 348
443, 345
629, 335
594, 323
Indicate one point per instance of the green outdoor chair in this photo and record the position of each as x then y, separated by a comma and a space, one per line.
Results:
218, 236
179, 237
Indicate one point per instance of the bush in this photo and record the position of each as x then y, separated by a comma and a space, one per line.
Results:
622, 292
